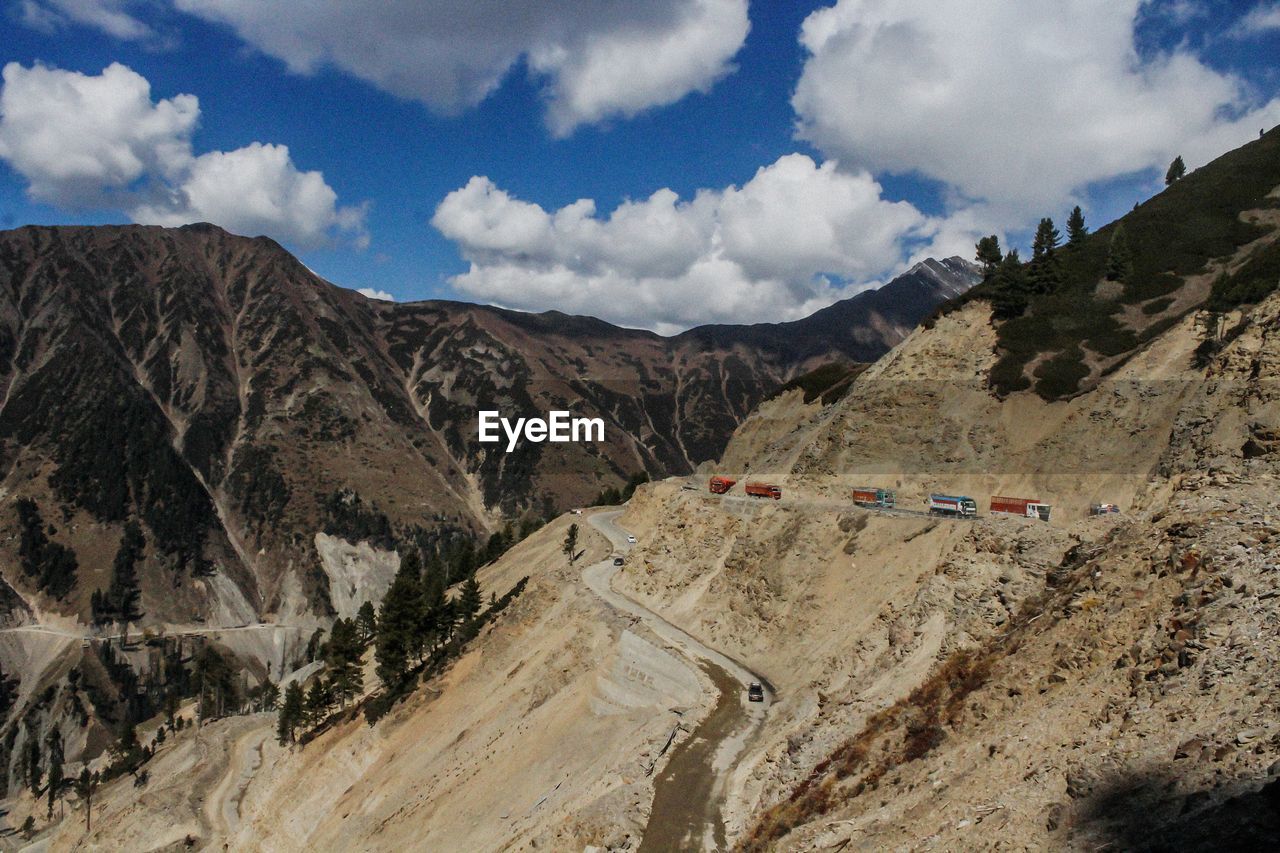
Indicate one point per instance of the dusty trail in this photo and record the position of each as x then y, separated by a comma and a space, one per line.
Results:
688, 795
837, 505
137, 634
690, 791
222, 809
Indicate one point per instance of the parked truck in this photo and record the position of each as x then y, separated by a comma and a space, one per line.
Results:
1103, 509
1024, 507
764, 490
877, 498
959, 507
720, 485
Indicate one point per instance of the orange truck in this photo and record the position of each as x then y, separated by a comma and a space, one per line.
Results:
1024, 507
764, 490
720, 485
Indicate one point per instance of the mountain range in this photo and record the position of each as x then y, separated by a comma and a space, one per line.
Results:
214, 390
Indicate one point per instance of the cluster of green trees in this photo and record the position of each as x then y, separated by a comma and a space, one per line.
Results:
1011, 283
416, 630
260, 489
449, 551
341, 681
613, 496
417, 618
44, 774
50, 564
122, 697
502, 541
347, 515
121, 601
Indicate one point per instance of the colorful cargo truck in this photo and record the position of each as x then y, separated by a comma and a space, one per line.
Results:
956, 507
875, 498
1024, 507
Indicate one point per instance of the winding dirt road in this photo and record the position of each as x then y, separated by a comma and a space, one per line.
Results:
222, 808
689, 793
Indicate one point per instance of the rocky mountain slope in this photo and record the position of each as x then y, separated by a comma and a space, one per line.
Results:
214, 390
1085, 683
1088, 683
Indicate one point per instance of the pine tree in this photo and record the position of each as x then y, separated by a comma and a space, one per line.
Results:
1045, 273
319, 698
1010, 288
571, 542
343, 659
123, 594
367, 622
430, 609
126, 750
471, 599
989, 255
54, 742
347, 681
1076, 229
1120, 256
84, 789
290, 713
269, 696
446, 619
33, 763
1046, 239
1177, 169
398, 622
172, 702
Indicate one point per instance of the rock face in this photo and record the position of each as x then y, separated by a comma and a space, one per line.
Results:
1087, 683
213, 389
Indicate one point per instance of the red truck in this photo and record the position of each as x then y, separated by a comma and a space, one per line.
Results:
1024, 507
764, 490
720, 485
871, 497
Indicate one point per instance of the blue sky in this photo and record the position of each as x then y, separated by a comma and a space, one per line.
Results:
834, 144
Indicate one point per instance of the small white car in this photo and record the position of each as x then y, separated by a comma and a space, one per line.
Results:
631, 540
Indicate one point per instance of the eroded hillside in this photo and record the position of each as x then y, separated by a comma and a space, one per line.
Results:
545, 732
1088, 682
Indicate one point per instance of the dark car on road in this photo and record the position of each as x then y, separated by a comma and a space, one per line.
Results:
755, 692
617, 561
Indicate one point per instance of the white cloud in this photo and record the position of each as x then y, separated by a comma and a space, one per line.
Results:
796, 237
1021, 103
109, 16
79, 138
375, 294
599, 58
84, 141
628, 70
1263, 18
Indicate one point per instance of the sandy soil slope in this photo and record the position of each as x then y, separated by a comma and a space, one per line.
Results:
689, 795
548, 731
1077, 683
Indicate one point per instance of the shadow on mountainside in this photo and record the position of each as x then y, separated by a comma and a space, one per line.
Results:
1146, 811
